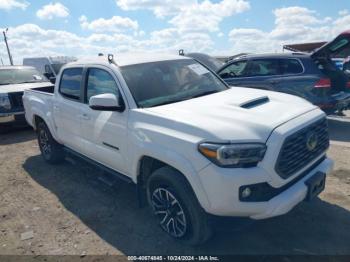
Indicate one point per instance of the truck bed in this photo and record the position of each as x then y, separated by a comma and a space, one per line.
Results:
38, 102
45, 89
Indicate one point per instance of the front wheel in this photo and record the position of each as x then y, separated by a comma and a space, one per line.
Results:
176, 208
51, 151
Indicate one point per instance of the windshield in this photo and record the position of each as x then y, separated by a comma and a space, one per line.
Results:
165, 82
20, 75
57, 67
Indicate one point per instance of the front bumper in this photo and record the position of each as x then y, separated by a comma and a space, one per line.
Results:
11, 118
222, 185
222, 188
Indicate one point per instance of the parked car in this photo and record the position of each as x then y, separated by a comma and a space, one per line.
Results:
191, 145
311, 76
13, 81
48, 66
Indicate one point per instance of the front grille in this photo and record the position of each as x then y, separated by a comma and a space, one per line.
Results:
296, 152
16, 101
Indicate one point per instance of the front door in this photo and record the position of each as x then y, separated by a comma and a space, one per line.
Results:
234, 74
104, 132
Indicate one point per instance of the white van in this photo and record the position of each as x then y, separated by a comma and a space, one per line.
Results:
48, 66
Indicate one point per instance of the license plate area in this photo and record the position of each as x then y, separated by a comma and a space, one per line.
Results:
315, 184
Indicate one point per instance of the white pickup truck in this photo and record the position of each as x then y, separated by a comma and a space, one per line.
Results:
192, 145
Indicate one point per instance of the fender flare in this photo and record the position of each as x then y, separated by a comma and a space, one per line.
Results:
176, 161
45, 117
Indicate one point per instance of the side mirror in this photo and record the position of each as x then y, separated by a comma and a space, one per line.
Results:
52, 79
226, 75
106, 102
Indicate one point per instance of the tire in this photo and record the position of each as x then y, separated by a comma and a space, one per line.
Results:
51, 151
176, 207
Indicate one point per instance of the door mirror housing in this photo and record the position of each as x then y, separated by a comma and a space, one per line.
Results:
52, 79
106, 102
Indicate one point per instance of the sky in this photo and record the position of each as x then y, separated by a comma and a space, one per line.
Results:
217, 27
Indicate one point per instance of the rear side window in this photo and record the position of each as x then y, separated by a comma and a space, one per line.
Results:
100, 82
70, 83
291, 67
264, 67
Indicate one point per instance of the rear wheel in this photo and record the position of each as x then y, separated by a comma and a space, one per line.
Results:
51, 151
176, 208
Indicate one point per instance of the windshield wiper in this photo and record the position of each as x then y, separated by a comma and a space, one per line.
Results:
170, 102
30, 82
187, 98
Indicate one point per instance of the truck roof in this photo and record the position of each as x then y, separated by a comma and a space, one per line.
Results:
52, 59
129, 59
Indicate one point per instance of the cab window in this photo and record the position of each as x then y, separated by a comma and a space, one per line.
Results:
100, 82
71, 82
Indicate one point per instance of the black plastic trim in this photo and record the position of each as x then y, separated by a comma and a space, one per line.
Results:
267, 192
99, 165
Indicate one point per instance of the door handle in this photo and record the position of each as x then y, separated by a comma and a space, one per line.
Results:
85, 117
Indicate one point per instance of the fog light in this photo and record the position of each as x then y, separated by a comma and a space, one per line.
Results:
246, 192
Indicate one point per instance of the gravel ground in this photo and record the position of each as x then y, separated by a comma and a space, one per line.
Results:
67, 209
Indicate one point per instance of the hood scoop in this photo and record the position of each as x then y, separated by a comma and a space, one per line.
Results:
255, 102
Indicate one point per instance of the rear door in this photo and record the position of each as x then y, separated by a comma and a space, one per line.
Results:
263, 74
337, 48
293, 78
234, 74
104, 132
67, 108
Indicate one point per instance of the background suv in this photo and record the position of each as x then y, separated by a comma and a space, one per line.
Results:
311, 76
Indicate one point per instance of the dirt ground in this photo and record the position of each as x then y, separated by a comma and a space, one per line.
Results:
67, 209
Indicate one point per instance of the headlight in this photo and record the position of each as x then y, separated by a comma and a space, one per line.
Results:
5, 102
233, 155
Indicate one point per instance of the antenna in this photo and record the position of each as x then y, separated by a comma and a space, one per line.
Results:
7, 46
181, 52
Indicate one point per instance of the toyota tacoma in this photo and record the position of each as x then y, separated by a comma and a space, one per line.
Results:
192, 146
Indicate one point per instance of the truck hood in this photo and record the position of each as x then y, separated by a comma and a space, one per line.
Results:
234, 115
21, 87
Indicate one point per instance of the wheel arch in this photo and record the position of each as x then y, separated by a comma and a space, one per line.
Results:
148, 164
37, 118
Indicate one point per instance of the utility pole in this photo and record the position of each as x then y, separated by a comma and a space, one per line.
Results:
2, 62
7, 46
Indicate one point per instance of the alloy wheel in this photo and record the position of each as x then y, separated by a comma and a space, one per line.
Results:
169, 212
44, 142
